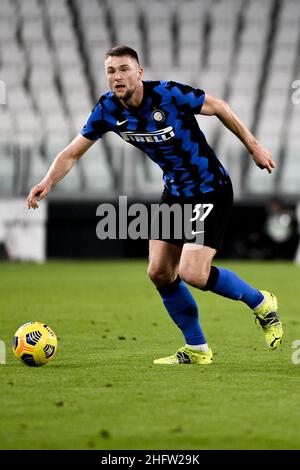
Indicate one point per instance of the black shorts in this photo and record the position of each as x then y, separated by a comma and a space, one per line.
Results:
201, 220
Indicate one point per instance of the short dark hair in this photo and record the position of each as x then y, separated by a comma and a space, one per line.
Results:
119, 51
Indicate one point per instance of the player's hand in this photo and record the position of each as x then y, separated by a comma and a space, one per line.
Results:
37, 193
263, 158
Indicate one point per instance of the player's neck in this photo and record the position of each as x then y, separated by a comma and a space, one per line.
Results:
137, 98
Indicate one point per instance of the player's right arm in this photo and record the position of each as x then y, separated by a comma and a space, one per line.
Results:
217, 107
62, 164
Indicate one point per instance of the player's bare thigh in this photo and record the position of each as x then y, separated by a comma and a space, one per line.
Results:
195, 264
164, 259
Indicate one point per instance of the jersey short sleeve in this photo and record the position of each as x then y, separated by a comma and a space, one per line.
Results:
95, 126
189, 98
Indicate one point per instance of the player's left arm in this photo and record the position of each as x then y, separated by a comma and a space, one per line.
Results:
217, 107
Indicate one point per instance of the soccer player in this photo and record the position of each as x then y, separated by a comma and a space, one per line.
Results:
158, 117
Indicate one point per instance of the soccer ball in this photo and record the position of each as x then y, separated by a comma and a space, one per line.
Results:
34, 344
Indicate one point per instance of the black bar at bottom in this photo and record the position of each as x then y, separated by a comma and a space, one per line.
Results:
94, 459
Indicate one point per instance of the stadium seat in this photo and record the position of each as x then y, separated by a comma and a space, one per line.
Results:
40, 78
147, 177
260, 181
74, 80
12, 54
55, 141
189, 57
163, 57
289, 183
254, 35
56, 124
29, 9
57, 11
191, 11
249, 58
63, 33
124, 12
209, 126
219, 60
290, 180
68, 56
159, 13
95, 34
211, 83
38, 167
91, 10
95, 170
279, 81
225, 12
48, 101
129, 35
40, 55
33, 32
287, 34
6, 126
284, 58
8, 9
271, 121
13, 75
290, 12
28, 128
258, 12
70, 186
78, 100
18, 99
78, 120
222, 36
8, 28
7, 171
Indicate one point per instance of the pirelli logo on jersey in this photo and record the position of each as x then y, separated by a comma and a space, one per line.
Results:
155, 136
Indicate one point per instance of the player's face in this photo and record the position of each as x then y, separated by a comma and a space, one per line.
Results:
123, 74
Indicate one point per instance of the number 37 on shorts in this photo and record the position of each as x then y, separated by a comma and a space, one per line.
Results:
201, 211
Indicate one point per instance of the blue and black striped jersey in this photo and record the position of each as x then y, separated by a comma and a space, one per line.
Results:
165, 128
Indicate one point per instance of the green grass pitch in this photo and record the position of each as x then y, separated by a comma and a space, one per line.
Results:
102, 390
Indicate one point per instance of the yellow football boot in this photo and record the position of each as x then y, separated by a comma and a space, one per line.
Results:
186, 355
269, 320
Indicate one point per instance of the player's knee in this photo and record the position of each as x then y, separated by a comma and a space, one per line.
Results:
160, 276
194, 278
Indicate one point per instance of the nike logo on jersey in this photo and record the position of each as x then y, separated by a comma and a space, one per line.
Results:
119, 123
